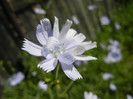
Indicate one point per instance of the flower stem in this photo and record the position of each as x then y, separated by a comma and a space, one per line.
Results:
57, 71
50, 93
56, 77
68, 87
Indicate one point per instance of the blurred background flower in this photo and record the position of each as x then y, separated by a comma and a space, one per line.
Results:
112, 87
39, 11
107, 76
92, 7
89, 95
105, 20
16, 79
114, 54
75, 20
129, 96
42, 85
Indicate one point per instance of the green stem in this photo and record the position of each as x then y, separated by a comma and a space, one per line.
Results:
56, 76
57, 71
68, 87
50, 93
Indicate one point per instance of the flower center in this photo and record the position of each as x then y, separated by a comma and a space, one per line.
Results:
58, 50
115, 55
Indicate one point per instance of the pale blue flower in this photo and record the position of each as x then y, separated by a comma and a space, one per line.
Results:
107, 76
39, 11
114, 44
92, 7
89, 95
113, 57
42, 85
112, 87
65, 46
105, 20
78, 63
75, 20
16, 78
117, 25
114, 54
102, 46
129, 96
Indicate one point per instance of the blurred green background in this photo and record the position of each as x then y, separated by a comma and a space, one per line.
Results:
18, 20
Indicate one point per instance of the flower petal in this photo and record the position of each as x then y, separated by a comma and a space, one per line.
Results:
70, 34
48, 64
71, 72
66, 58
65, 29
77, 50
56, 28
41, 35
68, 41
47, 26
83, 58
75, 41
32, 48
45, 51
69, 44
82, 48
88, 95
79, 37
95, 97
89, 45
51, 43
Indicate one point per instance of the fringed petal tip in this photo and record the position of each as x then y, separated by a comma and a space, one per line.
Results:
24, 40
69, 21
48, 64
25, 43
47, 70
23, 49
71, 72
44, 20
31, 48
41, 67
74, 79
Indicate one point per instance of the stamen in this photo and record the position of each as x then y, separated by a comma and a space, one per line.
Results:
58, 50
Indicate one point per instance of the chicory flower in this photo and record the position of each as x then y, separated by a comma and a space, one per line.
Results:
129, 96
89, 95
65, 46
75, 20
107, 76
42, 85
16, 79
92, 7
105, 20
112, 87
